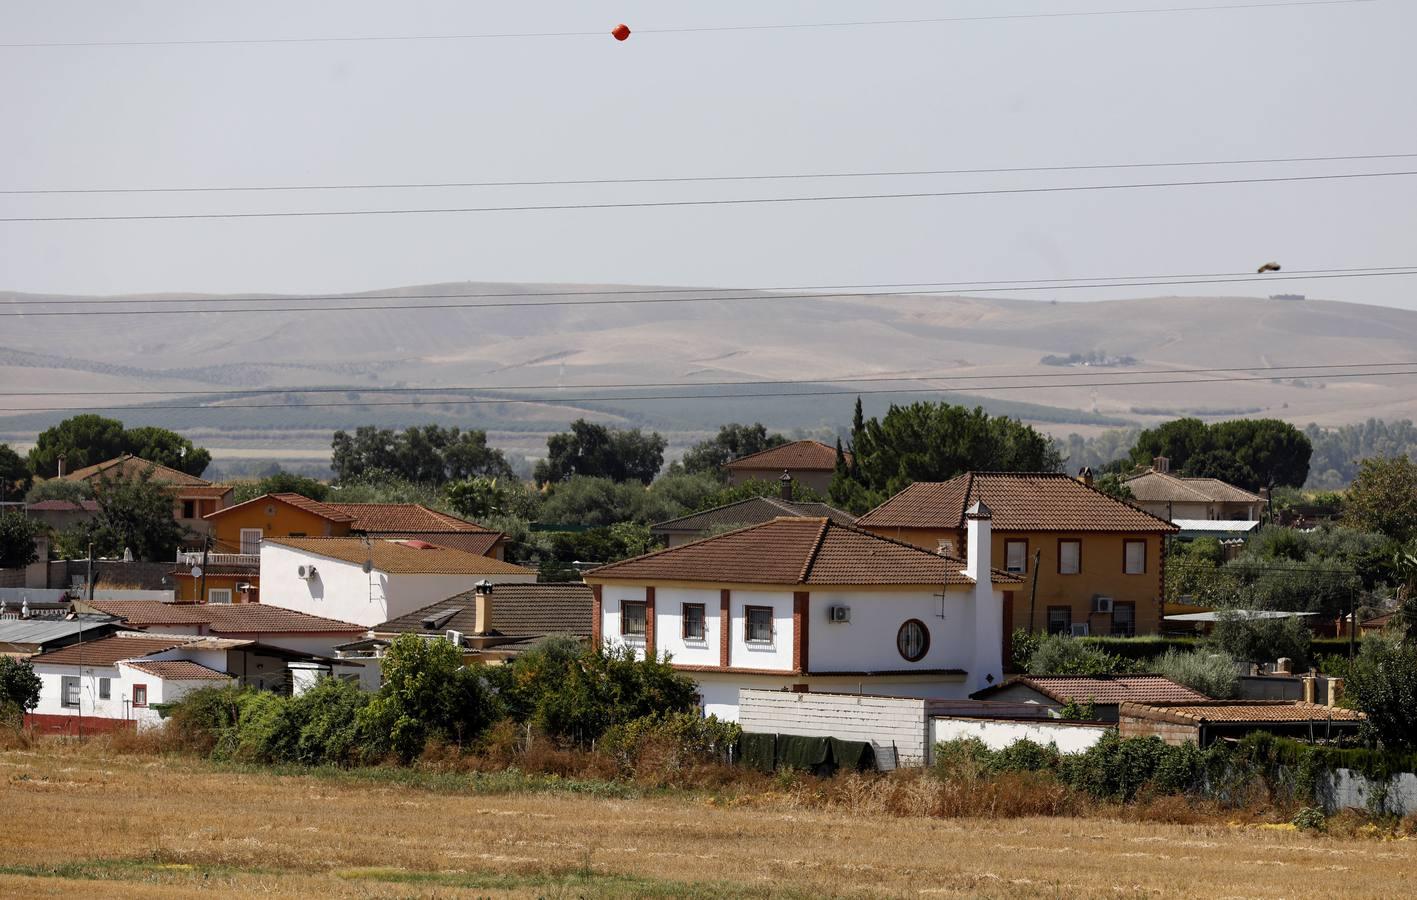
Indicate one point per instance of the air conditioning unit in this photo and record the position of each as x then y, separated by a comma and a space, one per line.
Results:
306, 572
1079, 629
1102, 604
839, 613
455, 637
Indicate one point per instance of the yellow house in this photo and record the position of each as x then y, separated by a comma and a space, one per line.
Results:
1090, 564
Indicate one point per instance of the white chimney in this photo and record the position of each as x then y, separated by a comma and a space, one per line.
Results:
988, 667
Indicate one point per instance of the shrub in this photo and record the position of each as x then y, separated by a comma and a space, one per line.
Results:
19, 689
1383, 684
1261, 640
1310, 818
664, 745
1119, 768
1058, 655
1210, 673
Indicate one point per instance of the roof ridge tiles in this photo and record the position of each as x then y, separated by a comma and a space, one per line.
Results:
812, 553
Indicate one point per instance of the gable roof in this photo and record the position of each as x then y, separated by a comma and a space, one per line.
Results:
803, 455
238, 618
401, 557
796, 551
1254, 712
752, 511
129, 465
177, 669
517, 609
404, 517
478, 543
299, 501
108, 650
1020, 501
1104, 689
63, 506
1163, 487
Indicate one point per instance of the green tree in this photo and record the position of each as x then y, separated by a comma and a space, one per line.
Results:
1257, 640
19, 688
15, 476
1383, 683
82, 440
59, 489
166, 448
281, 482
586, 500
1177, 440
1113, 485
429, 454
133, 514
1383, 498
600, 452
427, 693
17, 536
935, 442
732, 441
477, 498
1249, 453
1062, 655
756, 488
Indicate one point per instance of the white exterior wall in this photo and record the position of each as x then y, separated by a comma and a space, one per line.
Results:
895, 726
998, 733
669, 626
776, 654
868, 642
611, 597
119, 705
342, 590
720, 690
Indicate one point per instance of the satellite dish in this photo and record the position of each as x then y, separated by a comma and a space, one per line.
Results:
196, 571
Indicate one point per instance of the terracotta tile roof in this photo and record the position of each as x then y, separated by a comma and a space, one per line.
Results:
63, 506
129, 465
221, 618
299, 501
397, 557
751, 511
478, 543
403, 517
107, 651
795, 551
251, 573
197, 491
178, 670
1163, 487
1105, 689
1021, 501
804, 455
531, 610
1256, 712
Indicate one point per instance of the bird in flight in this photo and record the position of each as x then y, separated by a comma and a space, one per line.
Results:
1268, 267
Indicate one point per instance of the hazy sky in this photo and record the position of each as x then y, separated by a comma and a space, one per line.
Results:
1301, 81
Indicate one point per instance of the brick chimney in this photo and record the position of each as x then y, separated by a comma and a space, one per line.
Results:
1161, 464
482, 593
784, 486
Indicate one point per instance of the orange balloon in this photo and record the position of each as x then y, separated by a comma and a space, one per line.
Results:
620, 32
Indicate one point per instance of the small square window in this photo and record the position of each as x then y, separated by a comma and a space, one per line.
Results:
1134, 553
1069, 557
69, 692
189, 509
632, 619
694, 614
140, 695
1060, 620
757, 624
1124, 619
105, 688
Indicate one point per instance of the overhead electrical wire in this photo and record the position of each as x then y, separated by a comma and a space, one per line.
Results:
825, 379
732, 201
662, 300
686, 29
692, 179
555, 400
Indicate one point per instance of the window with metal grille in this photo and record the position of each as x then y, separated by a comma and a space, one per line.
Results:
913, 640
632, 619
757, 624
694, 621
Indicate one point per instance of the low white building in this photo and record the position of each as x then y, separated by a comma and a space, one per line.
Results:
371, 580
261, 622
810, 605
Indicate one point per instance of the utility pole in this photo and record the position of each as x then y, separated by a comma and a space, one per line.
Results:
202, 590
88, 586
1033, 594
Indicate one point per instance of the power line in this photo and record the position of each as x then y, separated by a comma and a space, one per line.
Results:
826, 379
656, 397
628, 292
691, 29
737, 201
686, 179
712, 299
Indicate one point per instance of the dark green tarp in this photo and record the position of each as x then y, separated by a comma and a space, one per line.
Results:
814, 754
758, 751
857, 755
818, 755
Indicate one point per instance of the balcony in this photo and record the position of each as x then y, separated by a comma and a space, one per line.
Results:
194, 558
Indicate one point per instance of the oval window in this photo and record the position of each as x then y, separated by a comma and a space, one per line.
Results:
913, 640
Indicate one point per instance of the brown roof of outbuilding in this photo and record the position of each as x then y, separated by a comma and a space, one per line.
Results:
398, 557
63, 506
403, 517
796, 551
129, 465
1020, 501
752, 511
517, 609
1256, 712
1163, 487
1105, 689
478, 543
178, 670
299, 501
107, 651
802, 455
237, 618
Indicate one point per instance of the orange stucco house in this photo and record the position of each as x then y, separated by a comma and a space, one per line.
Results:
1098, 562
232, 570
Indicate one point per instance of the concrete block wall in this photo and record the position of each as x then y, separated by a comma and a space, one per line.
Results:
897, 727
1169, 732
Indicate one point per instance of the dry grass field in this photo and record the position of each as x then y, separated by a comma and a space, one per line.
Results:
81, 823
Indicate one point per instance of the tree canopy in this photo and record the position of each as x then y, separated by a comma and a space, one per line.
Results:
430, 454
599, 452
1248, 453
1383, 498
14, 474
282, 482
133, 514
17, 535
732, 441
933, 442
86, 439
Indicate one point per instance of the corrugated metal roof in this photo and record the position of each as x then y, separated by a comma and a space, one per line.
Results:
41, 631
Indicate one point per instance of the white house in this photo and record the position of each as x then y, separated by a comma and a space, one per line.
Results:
367, 580
809, 604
